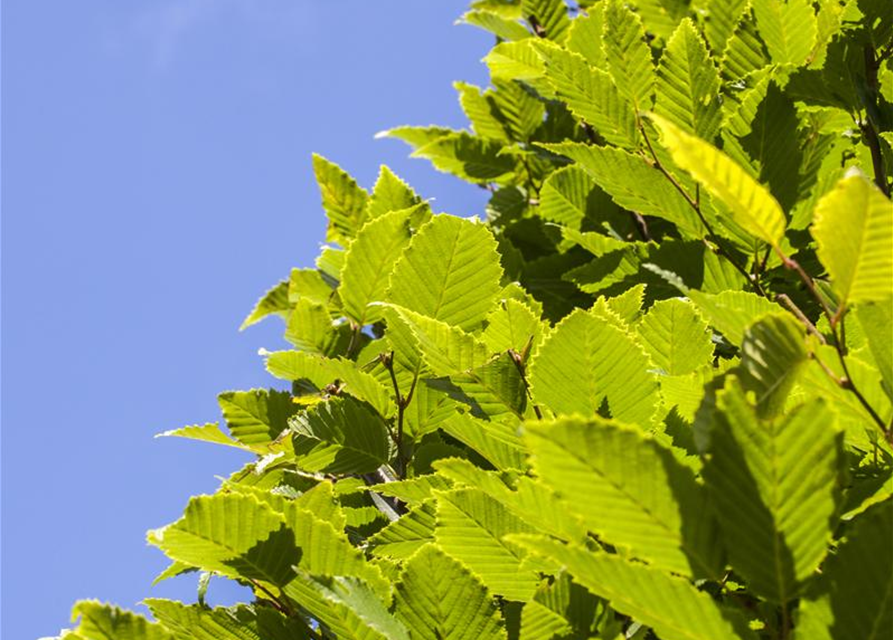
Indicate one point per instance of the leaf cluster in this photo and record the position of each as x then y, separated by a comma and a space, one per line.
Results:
650, 395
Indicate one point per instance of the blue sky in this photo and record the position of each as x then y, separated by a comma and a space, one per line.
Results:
155, 180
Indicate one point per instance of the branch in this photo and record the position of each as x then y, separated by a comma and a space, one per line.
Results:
847, 381
387, 359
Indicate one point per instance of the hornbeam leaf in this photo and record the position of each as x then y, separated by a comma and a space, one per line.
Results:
275, 301
876, 319
549, 16
497, 442
470, 527
416, 136
446, 349
670, 605
345, 607
517, 61
468, 157
343, 201
256, 417
585, 35
106, 622
772, 353
688, 84
633, 183
481, 112
209, 432
261, 547
403, 537
788, 28
586, 362
340, 435
752, 207
450, 272
197, 622
745, 51
438, 598
853, 599
592, 95
853, 227
776, 488
630, 491
561, 609
676, 337
569, 196
512, 326
390, 193
627, 54
299, 365
369, 262
731, 312
723, 15
496, 24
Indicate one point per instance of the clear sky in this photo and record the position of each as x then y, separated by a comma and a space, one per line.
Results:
155, 181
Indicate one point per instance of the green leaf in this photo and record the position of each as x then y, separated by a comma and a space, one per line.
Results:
876, 319
209, 432
628, 490
260, 548
450, 272
633, 184
776, 488
772, 354
513, 325
470, 527
256, 417
688, 84
106, 622
310, 284
627, 54
369, 262
496, 24
731, 312
273, 302
197, 622
310, 328
446, 349
788, 28
751, 206
343, 201
676, 337
670, 605
468, 157
570, 196
481, 112
723, 17
403, 537
346, 607
592, 95
585, 35
340, 435
587, 361
560, 609
517, 61
390, 193
745, 51
497, 442
853, 600
549, 16
438, 598
853, 227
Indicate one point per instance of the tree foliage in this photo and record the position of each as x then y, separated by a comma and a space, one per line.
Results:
649, 395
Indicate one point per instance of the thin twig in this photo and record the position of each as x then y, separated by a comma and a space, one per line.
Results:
793, 308
388, 362
276, 602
